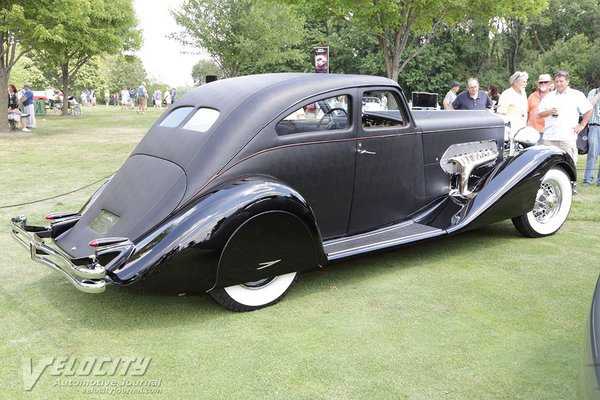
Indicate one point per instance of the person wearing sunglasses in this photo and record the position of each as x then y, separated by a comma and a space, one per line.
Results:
533, 102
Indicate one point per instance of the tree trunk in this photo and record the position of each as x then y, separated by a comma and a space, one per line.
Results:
65, 89
4, 101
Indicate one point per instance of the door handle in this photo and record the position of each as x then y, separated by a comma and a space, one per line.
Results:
366, 152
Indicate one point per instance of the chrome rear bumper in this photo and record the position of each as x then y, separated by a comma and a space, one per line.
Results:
86, 274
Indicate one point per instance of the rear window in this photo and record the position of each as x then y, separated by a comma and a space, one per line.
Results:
201, 121
176, 117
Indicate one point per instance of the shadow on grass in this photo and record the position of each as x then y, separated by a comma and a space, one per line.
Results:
128, 308
133, 308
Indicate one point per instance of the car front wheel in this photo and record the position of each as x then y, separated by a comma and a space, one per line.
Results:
552, 205
251, 296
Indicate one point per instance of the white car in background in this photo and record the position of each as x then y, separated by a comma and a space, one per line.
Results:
372, 104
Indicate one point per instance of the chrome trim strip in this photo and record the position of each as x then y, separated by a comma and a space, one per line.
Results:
470, 128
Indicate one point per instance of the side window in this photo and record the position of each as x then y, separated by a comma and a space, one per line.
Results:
381, 108
325, 114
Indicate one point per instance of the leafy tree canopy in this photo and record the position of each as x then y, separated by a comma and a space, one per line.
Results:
393, 22
240, 34
202, 69
78, 30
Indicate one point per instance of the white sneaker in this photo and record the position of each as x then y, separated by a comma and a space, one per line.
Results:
26, 130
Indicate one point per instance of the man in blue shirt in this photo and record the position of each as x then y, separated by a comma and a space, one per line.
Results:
142, 98
593, 139
473, 98
28, 108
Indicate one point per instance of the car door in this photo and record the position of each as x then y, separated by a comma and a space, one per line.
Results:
311, 148
389, 161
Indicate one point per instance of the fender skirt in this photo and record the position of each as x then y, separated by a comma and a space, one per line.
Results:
242, 231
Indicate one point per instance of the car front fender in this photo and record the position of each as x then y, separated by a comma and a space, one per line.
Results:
510, 189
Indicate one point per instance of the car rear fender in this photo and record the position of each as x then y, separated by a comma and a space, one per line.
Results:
510, 189
250, 218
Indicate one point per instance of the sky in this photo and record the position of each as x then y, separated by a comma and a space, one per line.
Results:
161, 56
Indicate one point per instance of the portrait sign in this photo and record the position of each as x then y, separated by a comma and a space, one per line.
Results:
322, 60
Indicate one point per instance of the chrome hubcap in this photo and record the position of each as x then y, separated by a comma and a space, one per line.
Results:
257, 284
547, 203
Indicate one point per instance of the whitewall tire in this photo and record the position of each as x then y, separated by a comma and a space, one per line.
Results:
552, 205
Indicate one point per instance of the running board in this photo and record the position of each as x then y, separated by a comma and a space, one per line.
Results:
390, 236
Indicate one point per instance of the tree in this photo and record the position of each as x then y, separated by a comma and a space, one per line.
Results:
203, 68
572, 55
351, 51
19, 29
394, 22
123, 72
81, 30
564, 19
240, 34
27, 70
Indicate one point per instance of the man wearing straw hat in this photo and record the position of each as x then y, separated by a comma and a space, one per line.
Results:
533, 102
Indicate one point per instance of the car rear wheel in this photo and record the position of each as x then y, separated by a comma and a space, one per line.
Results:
251, 296
552, 205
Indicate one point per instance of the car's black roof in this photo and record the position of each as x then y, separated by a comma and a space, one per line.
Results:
246, 104
230, 93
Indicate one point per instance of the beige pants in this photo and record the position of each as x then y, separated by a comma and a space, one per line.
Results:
569, 147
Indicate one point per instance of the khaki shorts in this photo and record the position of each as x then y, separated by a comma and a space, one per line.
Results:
141, 100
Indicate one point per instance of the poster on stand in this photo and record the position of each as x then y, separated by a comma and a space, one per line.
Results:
322, 60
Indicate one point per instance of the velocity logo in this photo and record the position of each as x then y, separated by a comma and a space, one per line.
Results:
95, 367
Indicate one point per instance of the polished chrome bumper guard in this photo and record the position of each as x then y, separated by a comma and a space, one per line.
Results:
86, 273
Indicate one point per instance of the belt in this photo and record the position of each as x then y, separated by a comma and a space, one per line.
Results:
594, 124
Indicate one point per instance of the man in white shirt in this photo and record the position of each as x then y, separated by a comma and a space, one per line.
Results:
512, 105
561, 110
124, 99
450, 96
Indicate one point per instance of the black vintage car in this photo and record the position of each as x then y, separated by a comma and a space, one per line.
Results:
589, 371
248, 181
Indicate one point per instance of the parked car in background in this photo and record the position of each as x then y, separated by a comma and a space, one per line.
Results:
372, 104
220, 198
40, 95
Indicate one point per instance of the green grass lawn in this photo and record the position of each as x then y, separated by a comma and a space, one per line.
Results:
483, 315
